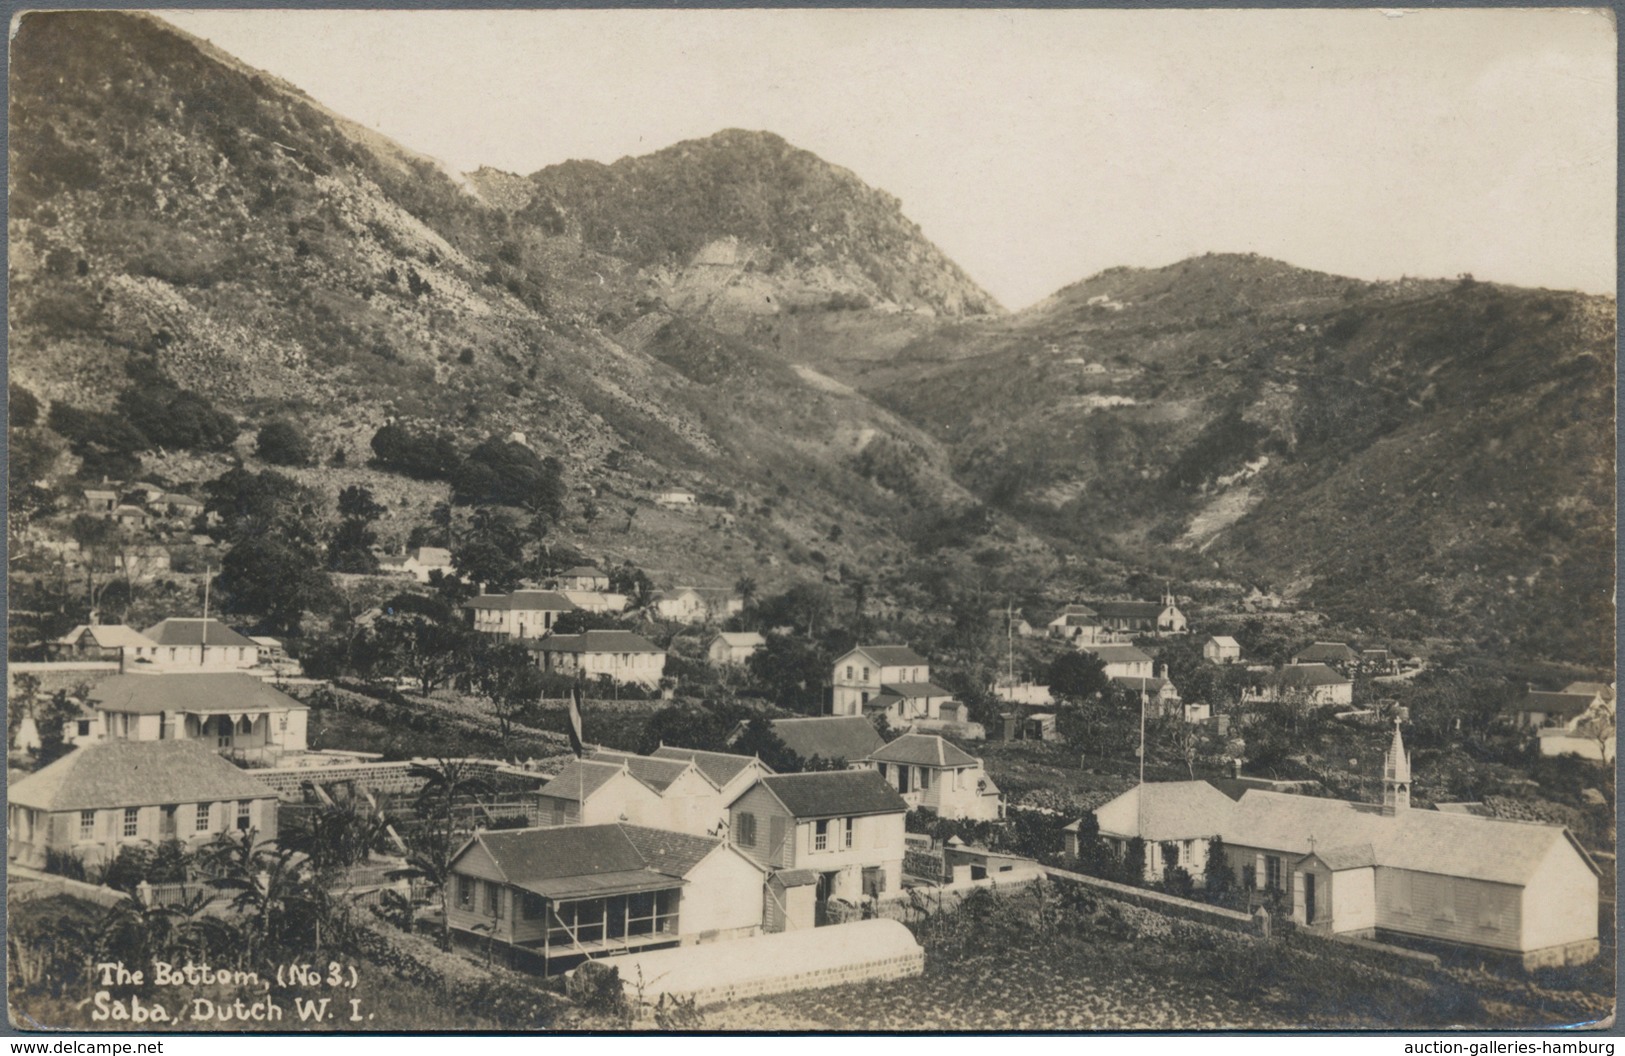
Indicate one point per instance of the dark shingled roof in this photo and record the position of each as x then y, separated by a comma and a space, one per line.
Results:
720, 767
575, 860
1308, 675
892, 655
580, 778
1565, 704
658, 774
913, 690
188, 630
835, 793
220, 691
849, 737
118, 773
919, 749
1325, 652
596, 642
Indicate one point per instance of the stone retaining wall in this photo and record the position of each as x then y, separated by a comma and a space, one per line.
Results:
1158, 902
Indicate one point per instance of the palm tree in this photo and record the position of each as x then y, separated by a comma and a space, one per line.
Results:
448, 784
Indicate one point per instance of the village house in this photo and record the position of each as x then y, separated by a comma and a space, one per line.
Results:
1082, 626
689, 800
1518, 888
1312, 685
1335, 654
1221, 649
112, 794
1378, 661
932, 774
696, 604
103, 643
1122, 661
235, 714
187, 643
864, 672
734, 647
129, 516
174, 506
846, 826
1566, 722
597, 600
731, 774
1141, 617
419, 564
522, 614
583, 577
1014, 622
554, 897
100, 500
617, 655
845, 738
590, 791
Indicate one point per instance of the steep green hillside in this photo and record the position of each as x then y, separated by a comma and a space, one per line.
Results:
1423, 458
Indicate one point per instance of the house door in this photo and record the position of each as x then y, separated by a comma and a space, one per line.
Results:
1308, 898
903, 771
166, 823
826, 889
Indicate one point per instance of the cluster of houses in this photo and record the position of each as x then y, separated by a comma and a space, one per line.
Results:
1577, 719
174, 645
139, 504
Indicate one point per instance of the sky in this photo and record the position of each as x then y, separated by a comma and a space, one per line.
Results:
1037, 148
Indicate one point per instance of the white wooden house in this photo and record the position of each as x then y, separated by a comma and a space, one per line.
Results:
864, 672
618, 655
524, 614
1221, 649
846, 826
734, 647
932, 774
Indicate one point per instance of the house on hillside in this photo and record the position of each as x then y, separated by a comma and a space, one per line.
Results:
524, 614
1122, 661
1013, 622
583, 577
1313, 685
865, 671
187, 643
849, 738
555, 897
101, 500
173, 506
677, 499
236, 714
696, 604
597, 600
128, 516
110, 794
103, 643
1221, 649
1378, 661
617, 655
1565, 721
591, 791
1517, 888
418, 564
1141, 617
903, 704
932, 774
1082, 626
734, 647
1334, 654
846, 826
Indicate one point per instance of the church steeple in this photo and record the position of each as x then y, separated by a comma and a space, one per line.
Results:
1396, 777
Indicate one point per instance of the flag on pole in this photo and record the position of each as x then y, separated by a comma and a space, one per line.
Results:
575, 721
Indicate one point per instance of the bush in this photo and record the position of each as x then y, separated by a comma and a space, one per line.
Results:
282, 444
597, 989
176, 418
426, 456
24, 407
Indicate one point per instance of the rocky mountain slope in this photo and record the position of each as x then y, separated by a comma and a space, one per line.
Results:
1420, 457
174, 209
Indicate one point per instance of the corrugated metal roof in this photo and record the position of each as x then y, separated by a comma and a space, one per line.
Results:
591, 860
118, 773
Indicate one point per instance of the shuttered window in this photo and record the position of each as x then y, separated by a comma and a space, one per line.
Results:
745, 830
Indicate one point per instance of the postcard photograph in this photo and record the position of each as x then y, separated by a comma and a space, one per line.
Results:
811, 520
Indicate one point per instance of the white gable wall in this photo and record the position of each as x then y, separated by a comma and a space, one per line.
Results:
1560, 900
723, 893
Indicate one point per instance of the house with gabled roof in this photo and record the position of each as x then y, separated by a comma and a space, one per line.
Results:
522, 614
695, 604
101, 500
862, 673
618, 655
583, 577
235, 714
554, 897
111, 794
734, 647
731, 773
596, 792
846, 826
419, 563
933, 774
1522, 889
189, 643
1141, 617
1082, 626
1221, 649
1312, 685
103, 643
690, 801
903, 703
